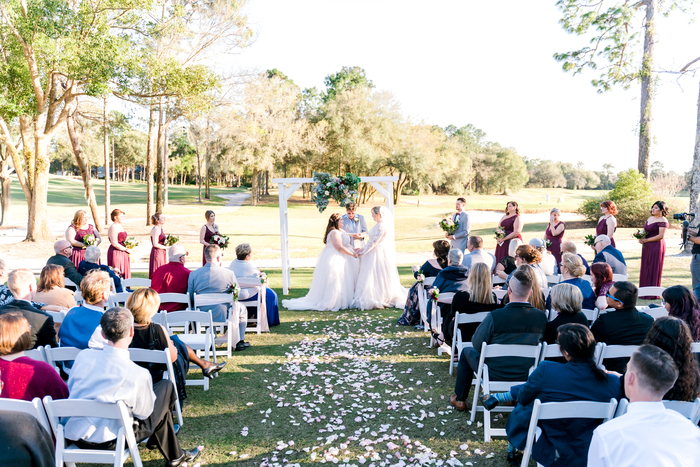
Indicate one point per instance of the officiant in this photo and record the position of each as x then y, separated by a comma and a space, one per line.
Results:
354, 225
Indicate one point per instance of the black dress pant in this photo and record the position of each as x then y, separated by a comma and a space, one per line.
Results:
468, 364
157, 428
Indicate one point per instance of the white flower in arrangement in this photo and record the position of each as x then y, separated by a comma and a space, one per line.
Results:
326, 193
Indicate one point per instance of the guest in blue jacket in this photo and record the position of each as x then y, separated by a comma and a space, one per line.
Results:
563, 442
92, 261
571, 269
451, 279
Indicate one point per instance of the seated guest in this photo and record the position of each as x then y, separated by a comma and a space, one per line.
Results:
648, 434
673, 336
24, 378
212, 278
625, 325
431, 268
172, 277
681, 303
52, 288
477, 254
548, 263
108, 375
23, 287
506, 265
606, 253
516, 323
24, 441
6, 295
563, 442
525, 254
63, 250
92, 262
477, 298
566, 302
571, 269
536, 298
242, 267
601, 280
451, 279
81, 321
570, 247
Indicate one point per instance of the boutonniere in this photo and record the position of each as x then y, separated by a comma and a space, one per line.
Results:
356, 219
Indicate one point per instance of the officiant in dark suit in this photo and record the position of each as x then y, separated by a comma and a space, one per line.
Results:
459, 238
354, 225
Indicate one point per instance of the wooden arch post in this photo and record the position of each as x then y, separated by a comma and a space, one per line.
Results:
287, 187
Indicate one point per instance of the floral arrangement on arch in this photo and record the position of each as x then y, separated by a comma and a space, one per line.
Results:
341, 189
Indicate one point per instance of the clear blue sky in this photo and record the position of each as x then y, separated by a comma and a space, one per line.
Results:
488, 63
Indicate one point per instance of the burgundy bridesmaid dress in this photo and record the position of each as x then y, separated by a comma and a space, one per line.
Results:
653, 254
78, 253
602, 229
555, 247
119, 259
158, 255
208, 234
507, 225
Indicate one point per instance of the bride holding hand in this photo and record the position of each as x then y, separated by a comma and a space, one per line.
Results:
333, 283
378, 284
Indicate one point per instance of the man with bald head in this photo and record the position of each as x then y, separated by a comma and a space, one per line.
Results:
63, 250
172, 277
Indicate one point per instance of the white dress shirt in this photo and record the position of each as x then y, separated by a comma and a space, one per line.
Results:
107, 375
647, 435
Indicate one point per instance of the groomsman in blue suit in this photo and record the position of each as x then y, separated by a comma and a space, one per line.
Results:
354, 225
458, 240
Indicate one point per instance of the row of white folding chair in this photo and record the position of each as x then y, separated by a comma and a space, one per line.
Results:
34, 408
136, 282
553, 351
260, 303
591, 315
655, 312
436, 318
201, 340
649, 291
458, 344
690, 410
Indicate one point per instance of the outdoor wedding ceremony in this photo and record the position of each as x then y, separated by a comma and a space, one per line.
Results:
268, 233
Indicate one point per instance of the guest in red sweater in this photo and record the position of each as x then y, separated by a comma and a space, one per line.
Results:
172, 277
22, 377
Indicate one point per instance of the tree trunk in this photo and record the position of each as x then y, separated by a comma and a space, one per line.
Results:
5, 186
694, 205
254, 188
84, 171
645, 140
267, 183
37, 225
199, 175
108, 209
150, 159
160, 168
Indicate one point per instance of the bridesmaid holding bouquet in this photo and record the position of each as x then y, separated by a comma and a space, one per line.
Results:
117, 254
76, 233
158, 255
208, 230
653, 247
555, 234
607, 224
510, 227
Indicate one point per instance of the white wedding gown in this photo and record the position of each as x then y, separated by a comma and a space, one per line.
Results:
333, 283
378, 285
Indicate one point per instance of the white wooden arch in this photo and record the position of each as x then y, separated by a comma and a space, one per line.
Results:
287, 187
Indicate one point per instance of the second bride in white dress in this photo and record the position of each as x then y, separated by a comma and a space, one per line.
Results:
333, 284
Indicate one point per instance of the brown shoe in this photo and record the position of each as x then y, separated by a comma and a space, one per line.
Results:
459, 405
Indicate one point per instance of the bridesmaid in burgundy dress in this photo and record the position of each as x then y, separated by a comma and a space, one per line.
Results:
117, 255
158, 254
208, 230
512, 225
555, 234
654, 247
75, 233
607, 224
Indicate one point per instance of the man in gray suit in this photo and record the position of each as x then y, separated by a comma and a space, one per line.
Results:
212, 278
458, 240
354, 225
477, 254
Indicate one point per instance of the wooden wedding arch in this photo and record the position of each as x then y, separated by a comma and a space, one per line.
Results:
287, 187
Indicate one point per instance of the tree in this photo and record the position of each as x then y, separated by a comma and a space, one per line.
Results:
613, 28
347, 78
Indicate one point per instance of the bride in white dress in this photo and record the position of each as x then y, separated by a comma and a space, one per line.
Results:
378, 284
333, 284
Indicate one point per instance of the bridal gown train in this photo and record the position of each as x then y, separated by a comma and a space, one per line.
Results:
378, 284
333, 283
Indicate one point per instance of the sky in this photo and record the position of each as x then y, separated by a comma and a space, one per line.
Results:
485, 63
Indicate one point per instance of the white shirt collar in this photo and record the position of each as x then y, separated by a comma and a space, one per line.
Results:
117, 352
645, 406
93, 307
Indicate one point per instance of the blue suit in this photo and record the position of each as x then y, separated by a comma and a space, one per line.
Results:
558, 382
461, 235
352, 227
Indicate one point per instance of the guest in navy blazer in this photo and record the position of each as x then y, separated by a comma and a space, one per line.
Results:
563, 442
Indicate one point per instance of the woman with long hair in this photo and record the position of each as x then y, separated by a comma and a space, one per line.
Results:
207, 231
681, 303
158, 254
478, 297
78, 229
333, 283
654, 247
512, 226
607, 224
673, 335
118, 256
601, 280
555, 233
431, 268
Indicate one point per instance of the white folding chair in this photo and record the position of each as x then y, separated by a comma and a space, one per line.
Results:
622, 407
695, 347
79, 298
436, 318
176, 298
650, 291
563, 410
457, 343
655, 312
70, 283
591, 315
553, 351
259, 303
554, 279
428, 282
495, 280
231, 323
136, 282
58, 316
616, 351
60, 354
201, 341
423, 305
161, 318
113, 287
69, 454
118, 299
690, 410
500, 293
33, 408
483, 381
620, 277
36, 354
161, 357
546, 291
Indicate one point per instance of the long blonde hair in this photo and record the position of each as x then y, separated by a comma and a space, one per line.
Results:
479, 284
536, 297
143, 304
